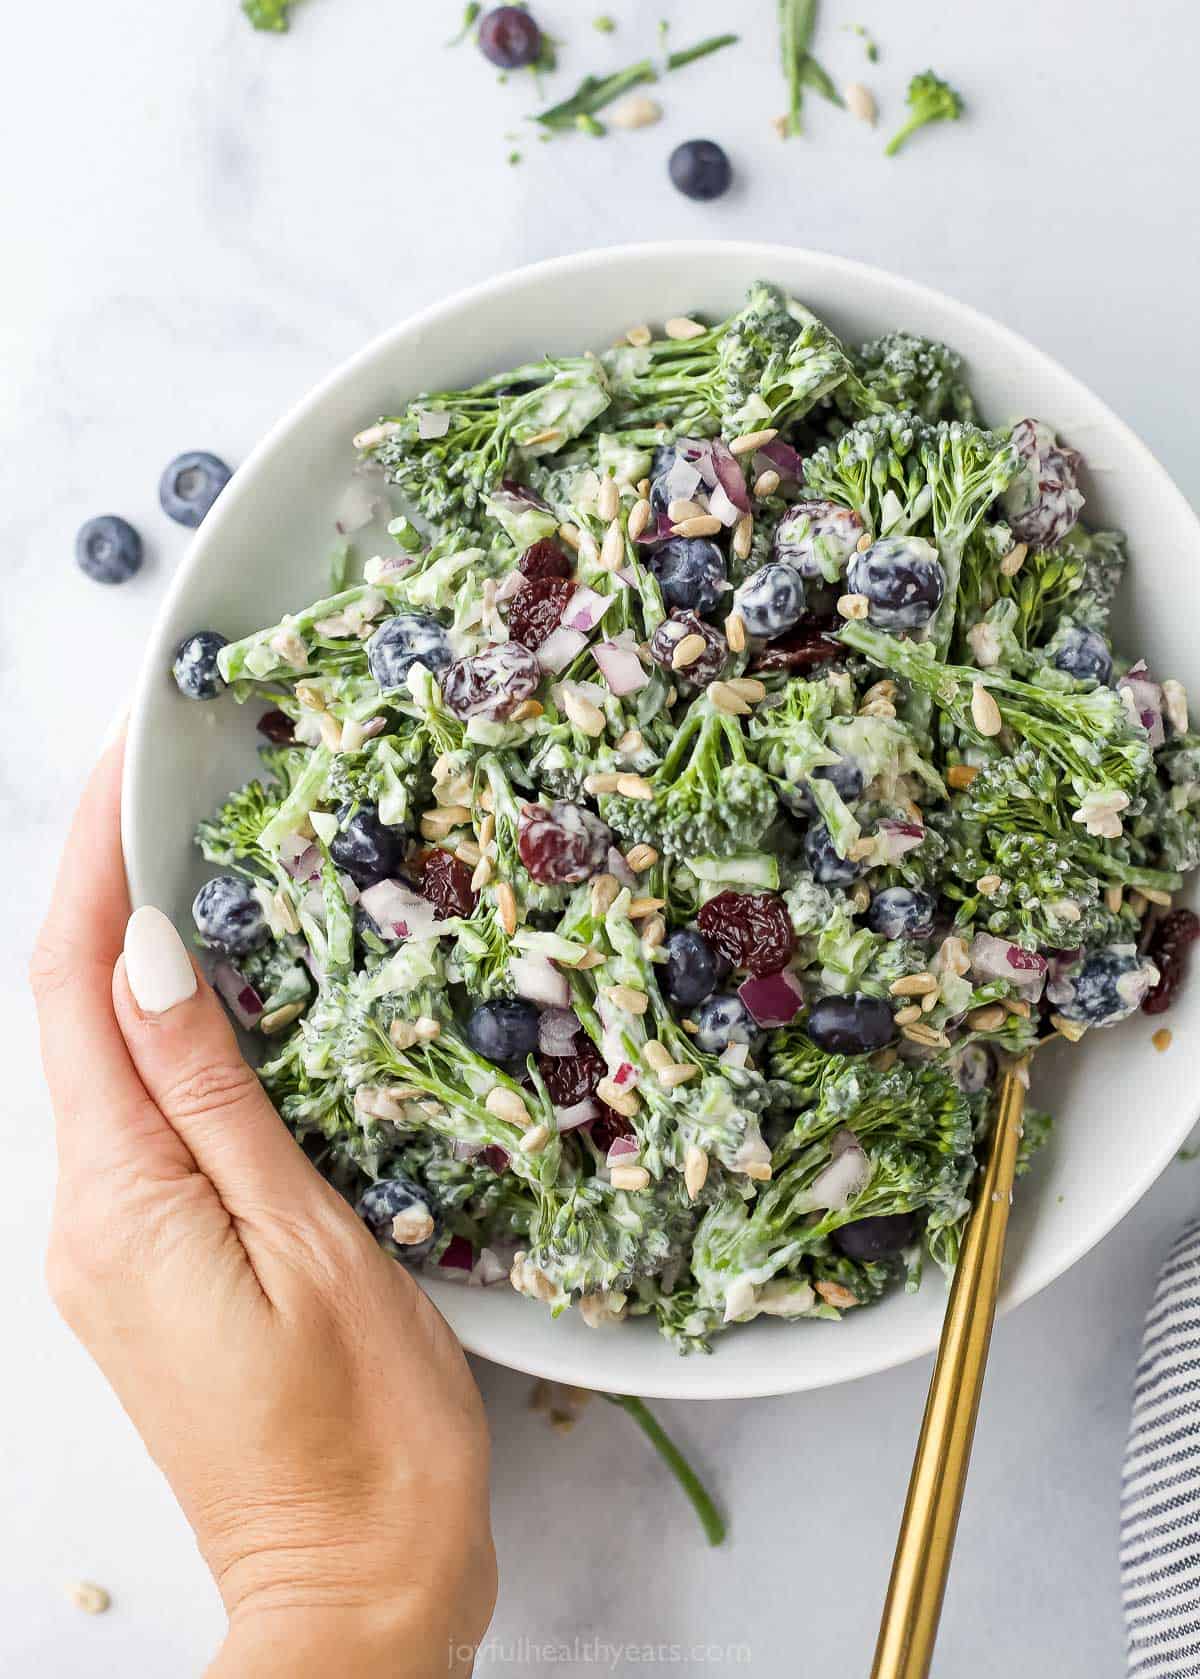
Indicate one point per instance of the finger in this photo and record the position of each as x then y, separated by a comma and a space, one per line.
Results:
187, 1057
100, 1105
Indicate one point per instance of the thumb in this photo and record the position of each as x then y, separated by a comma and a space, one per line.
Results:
188, 1059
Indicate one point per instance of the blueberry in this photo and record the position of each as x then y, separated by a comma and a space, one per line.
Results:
382, 1203
823, 860
693, 967
722, 1021
506, 1030
228, 916
772, 600
660, 469
845, 777
190, 485
700, 169
876, 1238
902, 579
401, 642
690, 572
1084, 654
853, 1025
108, 549
195, 668
365, 847
1105, 987
509, 38
900, 913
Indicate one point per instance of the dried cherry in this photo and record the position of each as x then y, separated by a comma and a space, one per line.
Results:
752, 930
572, 1078
493, 683
1168, 950
803, 648
277, 726
537, 608
562, 844
672, 631
544, 559
610, 1125
446, 882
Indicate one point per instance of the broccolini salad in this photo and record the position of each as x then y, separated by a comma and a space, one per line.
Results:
659, 852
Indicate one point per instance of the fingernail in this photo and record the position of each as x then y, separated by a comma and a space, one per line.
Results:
115, 729
156, 962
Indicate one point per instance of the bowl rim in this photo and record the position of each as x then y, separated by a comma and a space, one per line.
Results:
723, 1382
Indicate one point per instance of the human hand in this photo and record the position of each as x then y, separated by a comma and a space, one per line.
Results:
310, 1408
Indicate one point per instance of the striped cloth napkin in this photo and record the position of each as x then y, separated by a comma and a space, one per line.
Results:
1160, 1498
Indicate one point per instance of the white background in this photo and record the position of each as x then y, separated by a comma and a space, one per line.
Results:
199, 221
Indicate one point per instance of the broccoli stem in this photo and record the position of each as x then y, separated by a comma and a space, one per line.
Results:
595, 92
698, 1496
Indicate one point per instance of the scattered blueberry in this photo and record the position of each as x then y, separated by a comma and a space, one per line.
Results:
505, 1030
690, 572
190, 485
228, 916
693, 967
509, 38
108, 549
771, 601
382, 1203
903, 580
853, 1025
900, 913
1109, 984
876, 1238
823, 860
195, 668
845, 777
1084, 654
700, 169
401, 642
365, 847
723, 1021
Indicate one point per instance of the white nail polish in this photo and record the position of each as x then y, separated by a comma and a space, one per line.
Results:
156, 962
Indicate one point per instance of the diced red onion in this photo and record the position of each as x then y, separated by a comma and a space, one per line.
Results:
350, 891
585, 609
620, 870
537, 979
993, 958
570, 1119
847, 1175
559, 648
621, 1148
657, 532
623, 670
627, 576
682, 481
242, 999
773, 999
459, 1255
735, 1055
518, 495
512, 585
356, 507
431, 425
785, 460
899, 838
625, 1078
1147, 701
306, 865
729, 479
461, 1150
720, 506
557, 1031
401, 913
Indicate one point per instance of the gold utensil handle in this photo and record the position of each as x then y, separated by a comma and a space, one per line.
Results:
914, 1600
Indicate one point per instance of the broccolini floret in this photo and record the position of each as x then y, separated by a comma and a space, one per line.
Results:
916, 374
930, 99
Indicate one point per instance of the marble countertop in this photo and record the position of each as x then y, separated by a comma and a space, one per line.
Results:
203, 221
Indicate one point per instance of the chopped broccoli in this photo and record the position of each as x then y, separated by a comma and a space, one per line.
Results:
273, 15
930, 99
708, 796
916, 374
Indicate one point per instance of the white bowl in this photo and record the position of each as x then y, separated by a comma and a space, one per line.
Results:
1122, 1109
